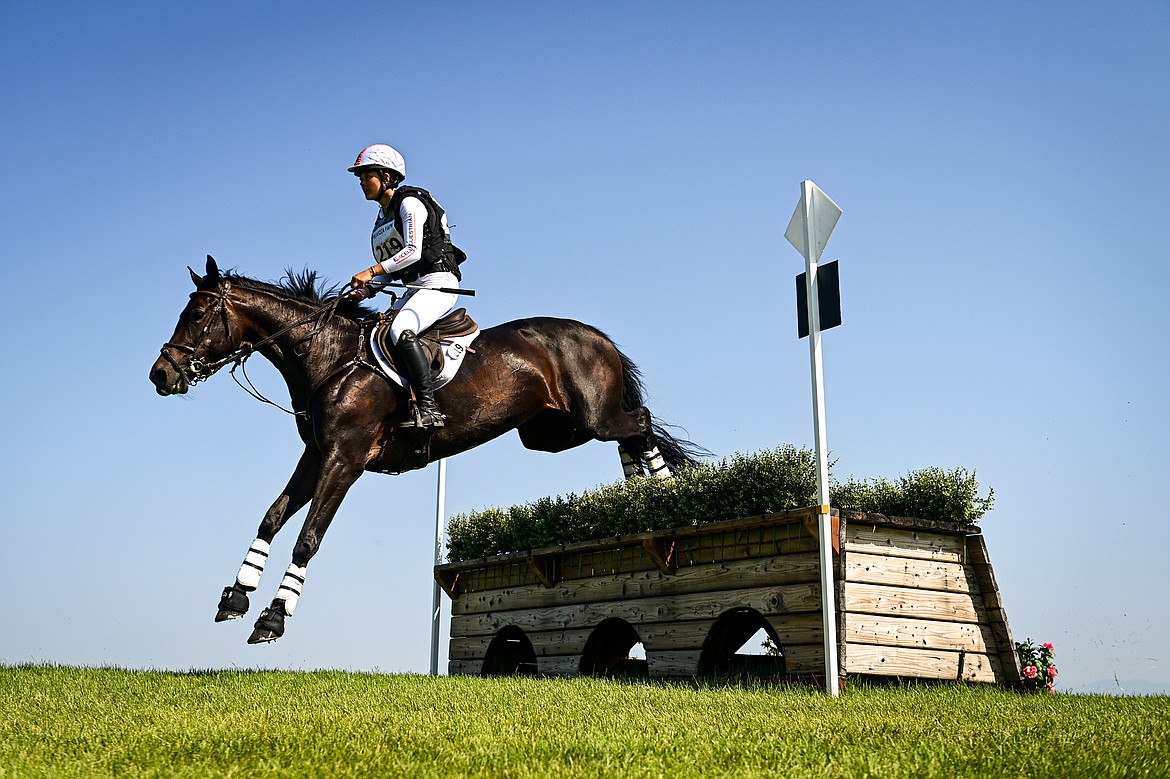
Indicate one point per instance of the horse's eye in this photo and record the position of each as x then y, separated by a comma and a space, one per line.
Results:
196, 315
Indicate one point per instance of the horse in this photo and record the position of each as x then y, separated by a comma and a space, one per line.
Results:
558, 382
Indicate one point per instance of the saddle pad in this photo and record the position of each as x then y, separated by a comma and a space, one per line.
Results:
454, 350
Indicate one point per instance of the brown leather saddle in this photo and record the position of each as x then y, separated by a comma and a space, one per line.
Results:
457, 323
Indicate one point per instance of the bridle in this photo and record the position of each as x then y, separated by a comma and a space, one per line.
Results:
200, 369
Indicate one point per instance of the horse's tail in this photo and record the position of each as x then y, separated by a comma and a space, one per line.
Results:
678, 452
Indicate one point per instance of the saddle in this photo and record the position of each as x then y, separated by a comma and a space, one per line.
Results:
457, 323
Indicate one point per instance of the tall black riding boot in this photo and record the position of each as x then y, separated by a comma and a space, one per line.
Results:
427, 412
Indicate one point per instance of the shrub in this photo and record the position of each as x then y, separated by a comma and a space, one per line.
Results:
742, 485
931, 493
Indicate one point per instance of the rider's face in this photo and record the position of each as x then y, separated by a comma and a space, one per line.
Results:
371, 182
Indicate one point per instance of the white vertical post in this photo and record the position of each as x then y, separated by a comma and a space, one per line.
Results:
816, 228
437, 599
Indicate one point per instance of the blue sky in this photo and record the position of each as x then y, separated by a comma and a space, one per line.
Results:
1002, 169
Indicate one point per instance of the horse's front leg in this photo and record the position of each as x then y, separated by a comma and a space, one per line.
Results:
338, 473
233, 603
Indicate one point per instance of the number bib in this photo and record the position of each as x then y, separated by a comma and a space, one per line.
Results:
386, 241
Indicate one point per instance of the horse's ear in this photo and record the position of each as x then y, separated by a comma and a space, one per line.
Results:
195, 277
212, 268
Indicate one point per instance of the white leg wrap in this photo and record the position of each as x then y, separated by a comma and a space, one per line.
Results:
249, 575
630, 466
290, 587
658, 466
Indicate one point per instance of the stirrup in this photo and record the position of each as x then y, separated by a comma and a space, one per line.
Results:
419, 418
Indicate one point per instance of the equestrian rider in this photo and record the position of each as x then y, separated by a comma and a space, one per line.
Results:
412, 244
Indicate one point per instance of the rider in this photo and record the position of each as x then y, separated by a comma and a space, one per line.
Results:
412, 244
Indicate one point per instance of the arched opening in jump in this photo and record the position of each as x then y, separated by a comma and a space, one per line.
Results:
510, 654
614, 650
733, 646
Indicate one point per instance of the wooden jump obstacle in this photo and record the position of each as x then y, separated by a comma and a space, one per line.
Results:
914, 599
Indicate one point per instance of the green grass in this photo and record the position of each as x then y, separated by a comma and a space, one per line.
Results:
104, 722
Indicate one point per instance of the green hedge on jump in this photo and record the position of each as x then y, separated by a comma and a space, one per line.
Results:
740, 486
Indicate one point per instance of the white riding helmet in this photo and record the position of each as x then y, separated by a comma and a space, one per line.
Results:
379, 155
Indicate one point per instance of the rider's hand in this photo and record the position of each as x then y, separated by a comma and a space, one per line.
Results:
363, 278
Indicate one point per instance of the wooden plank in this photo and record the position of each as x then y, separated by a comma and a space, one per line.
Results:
559, 642
918, 633
465, 667
544, 643
769, 601
729, 545
813, 526
773, 520
921, 604
664, 636
907, 572
944, 526
922, 663
793, 516
515, 573
805, 658
996, 614
585, 564
662, 552
449, 581
542, 568
790, 629
761, 572
901, 542
559, 665
469, 648
673, 663
1003, 636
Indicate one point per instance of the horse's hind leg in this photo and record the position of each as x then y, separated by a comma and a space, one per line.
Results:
643, 449
655, 461
233, 602
631, 465
637, 447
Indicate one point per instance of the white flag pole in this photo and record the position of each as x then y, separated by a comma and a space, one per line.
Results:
815, 216
440, 529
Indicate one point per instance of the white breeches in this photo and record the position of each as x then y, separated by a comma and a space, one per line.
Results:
418, 309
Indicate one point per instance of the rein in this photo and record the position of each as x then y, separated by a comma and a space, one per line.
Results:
198, 370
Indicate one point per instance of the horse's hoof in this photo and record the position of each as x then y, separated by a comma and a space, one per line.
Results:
262, 637
270, 625
233, 604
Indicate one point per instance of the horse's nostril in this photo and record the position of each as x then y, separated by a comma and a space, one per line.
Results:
158, 377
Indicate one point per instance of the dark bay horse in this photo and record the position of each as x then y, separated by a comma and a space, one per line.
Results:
557, 382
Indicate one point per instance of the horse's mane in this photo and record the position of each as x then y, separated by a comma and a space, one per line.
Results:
303, 286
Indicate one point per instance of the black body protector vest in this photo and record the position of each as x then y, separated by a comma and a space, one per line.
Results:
438, 253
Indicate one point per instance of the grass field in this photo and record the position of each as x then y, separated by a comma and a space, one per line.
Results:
104, 722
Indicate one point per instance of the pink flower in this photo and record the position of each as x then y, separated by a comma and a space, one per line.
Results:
1049, 647
1052, 672
1051, 687
1030, 672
